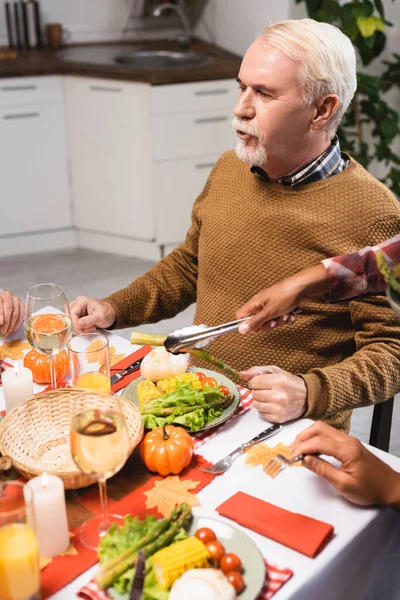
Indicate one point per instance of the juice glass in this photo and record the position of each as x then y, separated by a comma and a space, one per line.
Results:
19, 550
90, 362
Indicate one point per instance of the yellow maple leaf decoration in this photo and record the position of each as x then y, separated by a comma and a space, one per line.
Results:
13, 349
114, 357
169, 492
262, 454
70, 551
95, 347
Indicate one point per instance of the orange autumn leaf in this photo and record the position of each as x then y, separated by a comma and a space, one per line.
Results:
169, 492
262, 454
114, 357
13, 349
97, 356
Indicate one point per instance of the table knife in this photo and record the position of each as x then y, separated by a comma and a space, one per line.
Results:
138, 579
133, 367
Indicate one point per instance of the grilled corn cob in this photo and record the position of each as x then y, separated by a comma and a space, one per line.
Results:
147, 392
189, 379
171, 562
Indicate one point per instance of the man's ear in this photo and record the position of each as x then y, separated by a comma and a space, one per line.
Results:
323, 111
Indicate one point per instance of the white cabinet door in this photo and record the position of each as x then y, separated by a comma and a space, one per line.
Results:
109, 130
33, 170
177, 185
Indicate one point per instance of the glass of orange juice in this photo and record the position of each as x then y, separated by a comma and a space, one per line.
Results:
19, 550
90, 362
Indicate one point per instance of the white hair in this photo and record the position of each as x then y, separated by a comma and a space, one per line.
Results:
326, 57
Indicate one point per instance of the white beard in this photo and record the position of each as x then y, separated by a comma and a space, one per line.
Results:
252, 156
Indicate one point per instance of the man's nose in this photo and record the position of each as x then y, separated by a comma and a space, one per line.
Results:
244, 108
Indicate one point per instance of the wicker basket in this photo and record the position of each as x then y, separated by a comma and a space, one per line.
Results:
35, 434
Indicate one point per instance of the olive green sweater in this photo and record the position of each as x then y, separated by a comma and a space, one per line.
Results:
247, 234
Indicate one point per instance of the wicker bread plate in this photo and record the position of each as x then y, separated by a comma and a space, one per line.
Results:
35, 434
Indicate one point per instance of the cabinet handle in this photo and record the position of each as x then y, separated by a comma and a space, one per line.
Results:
31, 115
104, 88
210, 120
217, 92
18, 88
204, 165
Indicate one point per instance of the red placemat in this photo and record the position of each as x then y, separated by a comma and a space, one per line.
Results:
64, 569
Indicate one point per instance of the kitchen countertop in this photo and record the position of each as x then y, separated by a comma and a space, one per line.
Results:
224, 65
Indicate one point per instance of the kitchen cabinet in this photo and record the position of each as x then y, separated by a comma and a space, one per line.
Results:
140, 155
109, 133
33, 160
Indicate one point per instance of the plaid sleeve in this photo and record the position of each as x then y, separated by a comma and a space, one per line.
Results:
356, 274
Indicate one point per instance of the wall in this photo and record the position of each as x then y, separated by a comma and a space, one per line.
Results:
234, 24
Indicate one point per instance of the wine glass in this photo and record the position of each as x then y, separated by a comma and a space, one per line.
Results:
48, 325
99, 446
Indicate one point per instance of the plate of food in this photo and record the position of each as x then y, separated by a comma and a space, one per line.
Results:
169, 392
196, 557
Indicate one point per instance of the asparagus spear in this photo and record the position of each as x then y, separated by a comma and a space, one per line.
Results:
107, 574
147, 338
214, 361
158, 340
183, 410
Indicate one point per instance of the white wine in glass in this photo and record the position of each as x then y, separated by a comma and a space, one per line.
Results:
48, 325
99, 446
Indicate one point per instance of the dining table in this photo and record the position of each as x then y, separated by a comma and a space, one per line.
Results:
360, 562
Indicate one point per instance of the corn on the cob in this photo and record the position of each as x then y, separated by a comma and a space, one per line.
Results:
147, 392
171, 562
189, 379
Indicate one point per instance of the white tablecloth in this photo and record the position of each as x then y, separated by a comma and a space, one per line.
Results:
361, 562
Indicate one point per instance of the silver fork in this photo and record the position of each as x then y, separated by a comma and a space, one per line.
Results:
279, 463
225, 463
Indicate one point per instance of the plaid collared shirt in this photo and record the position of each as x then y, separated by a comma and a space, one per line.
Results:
356, 274
331, 162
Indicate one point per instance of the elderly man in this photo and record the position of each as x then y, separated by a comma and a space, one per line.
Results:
300, 201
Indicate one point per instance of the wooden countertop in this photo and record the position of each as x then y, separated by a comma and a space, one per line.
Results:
224, 65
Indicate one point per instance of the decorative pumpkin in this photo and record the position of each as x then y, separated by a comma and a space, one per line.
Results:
39, 364
167, 450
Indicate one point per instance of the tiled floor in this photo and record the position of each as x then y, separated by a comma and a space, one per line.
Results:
82, 272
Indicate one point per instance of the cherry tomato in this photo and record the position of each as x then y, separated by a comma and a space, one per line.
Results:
216, 551
224, 390
230, 562
236, 580
200, 376
206, 535
210, 381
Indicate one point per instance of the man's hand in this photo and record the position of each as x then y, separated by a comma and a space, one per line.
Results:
272, 307
88, 313
362, 478
11, 313
278, 395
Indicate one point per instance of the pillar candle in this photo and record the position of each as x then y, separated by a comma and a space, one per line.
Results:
17, 386
50, 514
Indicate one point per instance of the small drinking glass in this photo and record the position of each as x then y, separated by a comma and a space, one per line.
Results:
99, 446
19, 550
90, 362
48, 325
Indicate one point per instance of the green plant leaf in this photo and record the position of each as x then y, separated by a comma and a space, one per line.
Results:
362, 9
379, 8
368, 25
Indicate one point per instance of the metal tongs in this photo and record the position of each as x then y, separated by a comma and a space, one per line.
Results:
198, 336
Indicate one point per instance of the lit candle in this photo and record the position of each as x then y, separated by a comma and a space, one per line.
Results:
50, 514
17, 386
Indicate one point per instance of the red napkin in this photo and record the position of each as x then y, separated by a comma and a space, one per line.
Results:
124, 363
296, 531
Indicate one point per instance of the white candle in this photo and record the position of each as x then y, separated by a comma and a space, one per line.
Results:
17, 386
50, 514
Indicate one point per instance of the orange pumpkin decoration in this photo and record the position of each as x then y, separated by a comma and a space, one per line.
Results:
39, 364
167, 450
